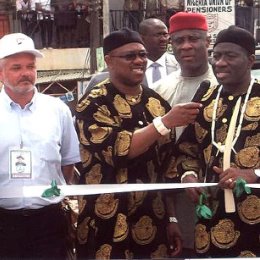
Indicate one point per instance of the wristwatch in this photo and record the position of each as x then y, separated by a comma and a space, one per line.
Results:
160, 127
257, 172
173, 220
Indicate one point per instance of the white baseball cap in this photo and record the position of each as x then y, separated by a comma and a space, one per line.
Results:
17, 43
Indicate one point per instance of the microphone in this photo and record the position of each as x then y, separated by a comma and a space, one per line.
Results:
204, 85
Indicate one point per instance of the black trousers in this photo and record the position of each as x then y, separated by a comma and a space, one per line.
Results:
33, 234
46, 28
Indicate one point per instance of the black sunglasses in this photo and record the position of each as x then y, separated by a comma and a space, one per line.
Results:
132, 56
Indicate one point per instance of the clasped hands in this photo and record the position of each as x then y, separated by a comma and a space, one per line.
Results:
227, 180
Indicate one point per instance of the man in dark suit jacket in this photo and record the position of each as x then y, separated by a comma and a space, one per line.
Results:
155, 36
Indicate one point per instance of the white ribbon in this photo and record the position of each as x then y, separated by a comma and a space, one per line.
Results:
253, 185
91, 189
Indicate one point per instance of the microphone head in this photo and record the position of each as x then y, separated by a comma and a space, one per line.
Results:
204, 85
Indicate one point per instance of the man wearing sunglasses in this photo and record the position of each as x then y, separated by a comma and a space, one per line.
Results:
155, 36
125, 134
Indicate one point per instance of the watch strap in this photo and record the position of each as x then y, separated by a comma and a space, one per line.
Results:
257, 172
160, 127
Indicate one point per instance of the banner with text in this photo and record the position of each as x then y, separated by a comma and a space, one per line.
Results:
220, 14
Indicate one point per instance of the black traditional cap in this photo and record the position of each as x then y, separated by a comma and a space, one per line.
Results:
237, 36
119, 38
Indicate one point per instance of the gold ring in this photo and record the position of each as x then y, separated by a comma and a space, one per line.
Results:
230, 180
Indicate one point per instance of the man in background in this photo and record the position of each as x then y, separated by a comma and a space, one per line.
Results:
133, 10
190, 42
160, 63
155, 36
27, 15
171, 7
45, 16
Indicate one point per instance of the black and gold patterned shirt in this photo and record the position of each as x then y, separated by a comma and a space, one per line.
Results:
226, 234
121, 225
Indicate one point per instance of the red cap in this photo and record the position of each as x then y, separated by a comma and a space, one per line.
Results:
184, 20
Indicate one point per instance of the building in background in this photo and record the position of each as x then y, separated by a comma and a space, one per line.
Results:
79, 26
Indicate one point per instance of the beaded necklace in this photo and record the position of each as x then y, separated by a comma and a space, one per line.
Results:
219, 146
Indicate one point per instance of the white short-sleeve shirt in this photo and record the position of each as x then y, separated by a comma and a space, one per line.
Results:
45, 127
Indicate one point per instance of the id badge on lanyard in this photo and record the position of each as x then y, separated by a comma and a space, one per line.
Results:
20, 163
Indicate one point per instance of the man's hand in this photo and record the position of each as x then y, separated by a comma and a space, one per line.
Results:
181, 114
175, 239
227, 178
193, 193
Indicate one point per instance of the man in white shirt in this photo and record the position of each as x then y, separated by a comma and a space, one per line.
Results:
45, 16
27, 15
188, 32
39, 146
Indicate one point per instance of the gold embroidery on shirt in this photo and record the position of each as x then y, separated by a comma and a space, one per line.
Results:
155, 108
209, 93
81, 203
98, 92
99, 134
143, 231
224, 235
248, 157
82, 138
86, 156
122, 175
82, 105
104, 252
122, 143
246, 253
160, 253
103, 115
191, 165
252, 112
202, 239
253, 140
122, 107
94, 176
82, 231
221, 134
135, 199
108, 155
250, 127
106, 206
200, 132
208, 111
121, 228
207, 153
249, 210
189, 148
